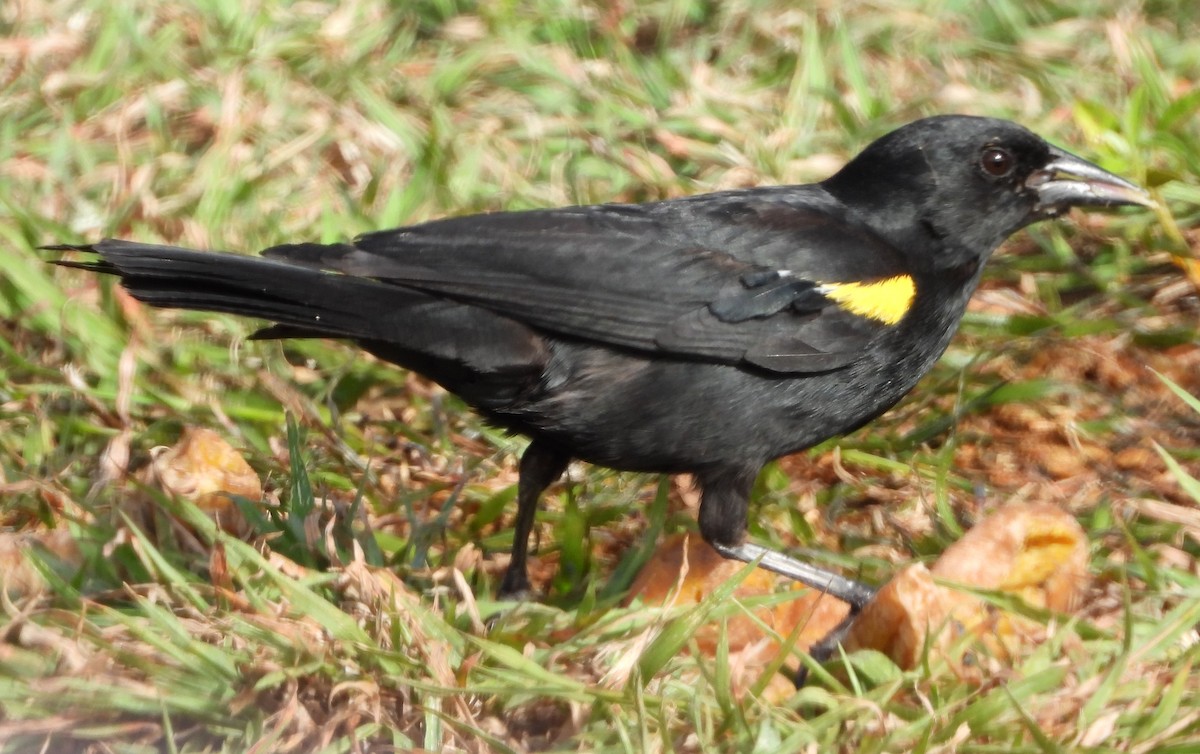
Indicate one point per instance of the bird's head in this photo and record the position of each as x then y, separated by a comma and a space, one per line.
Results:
969, 183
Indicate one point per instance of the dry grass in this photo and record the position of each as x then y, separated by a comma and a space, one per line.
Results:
226, 125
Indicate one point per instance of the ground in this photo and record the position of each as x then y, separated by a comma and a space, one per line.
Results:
237, 126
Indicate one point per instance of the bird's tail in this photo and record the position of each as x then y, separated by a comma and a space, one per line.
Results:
301, 299
402, 324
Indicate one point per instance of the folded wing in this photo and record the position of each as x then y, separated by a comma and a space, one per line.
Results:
740, 277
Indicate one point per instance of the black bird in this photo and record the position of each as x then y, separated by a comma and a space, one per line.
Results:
708, 334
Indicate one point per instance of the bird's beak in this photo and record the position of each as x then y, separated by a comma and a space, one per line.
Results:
1069, 181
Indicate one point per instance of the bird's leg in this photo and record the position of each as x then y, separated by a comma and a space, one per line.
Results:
541, 464
854, 593
723, 508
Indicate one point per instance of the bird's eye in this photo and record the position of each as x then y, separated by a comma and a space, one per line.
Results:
997, 162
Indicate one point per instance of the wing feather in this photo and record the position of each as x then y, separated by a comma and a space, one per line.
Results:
734, 277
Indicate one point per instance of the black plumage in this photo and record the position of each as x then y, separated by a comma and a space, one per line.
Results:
708, 334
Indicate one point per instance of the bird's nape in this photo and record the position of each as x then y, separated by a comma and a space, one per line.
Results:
708, 335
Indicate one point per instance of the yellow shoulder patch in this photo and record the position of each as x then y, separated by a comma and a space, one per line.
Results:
885, 300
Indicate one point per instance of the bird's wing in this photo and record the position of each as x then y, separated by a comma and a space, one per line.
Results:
779, 278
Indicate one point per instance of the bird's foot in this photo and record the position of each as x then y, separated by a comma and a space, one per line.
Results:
516, 586
826, 647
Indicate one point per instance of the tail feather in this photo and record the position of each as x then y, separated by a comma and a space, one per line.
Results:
305, 301
316, 255
178, 278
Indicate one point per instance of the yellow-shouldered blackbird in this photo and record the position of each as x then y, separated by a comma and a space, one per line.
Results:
708, 334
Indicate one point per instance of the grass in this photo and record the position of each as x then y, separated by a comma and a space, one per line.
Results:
232, 125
